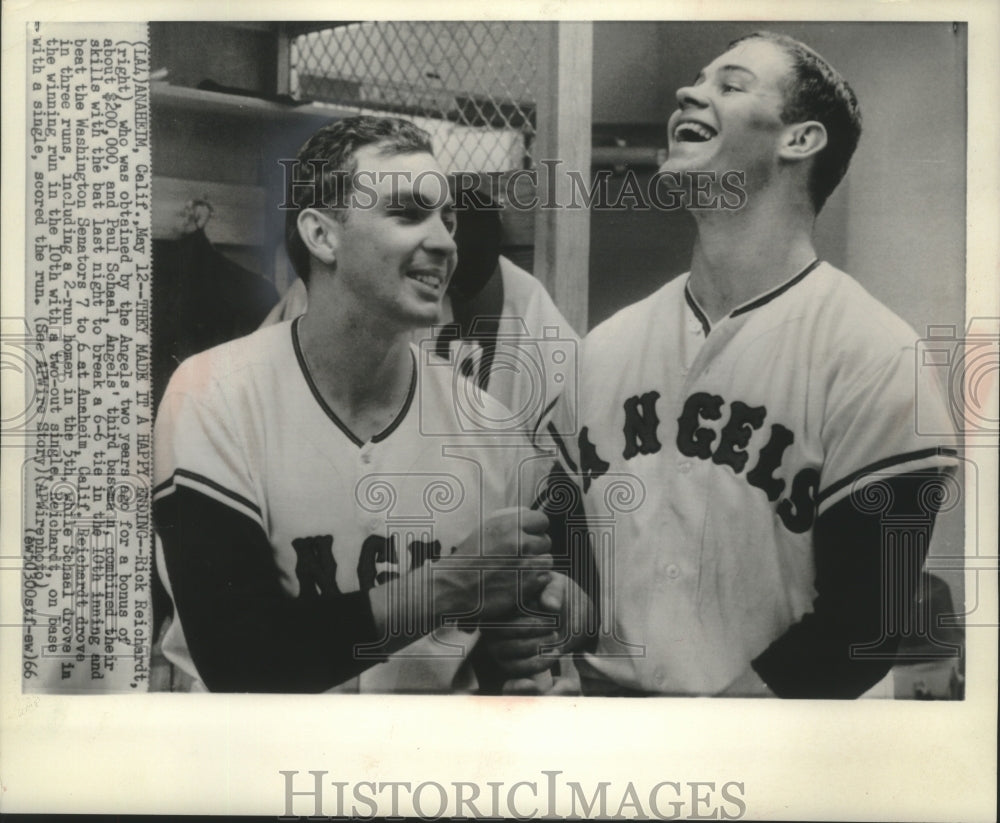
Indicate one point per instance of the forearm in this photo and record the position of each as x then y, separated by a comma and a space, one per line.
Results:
244, 633
418, 602
848, 642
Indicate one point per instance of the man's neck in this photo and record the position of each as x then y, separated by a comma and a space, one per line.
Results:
740, 255
363, 374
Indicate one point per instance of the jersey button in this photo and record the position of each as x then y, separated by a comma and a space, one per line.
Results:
366, 457
684, 466
673, 571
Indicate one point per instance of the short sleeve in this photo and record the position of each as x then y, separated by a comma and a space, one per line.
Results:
195, 446
890, 419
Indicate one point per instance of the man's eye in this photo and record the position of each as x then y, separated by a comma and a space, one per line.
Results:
409, 213
728, 87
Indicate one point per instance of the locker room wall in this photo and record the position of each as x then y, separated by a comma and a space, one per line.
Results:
204, 145
897, 222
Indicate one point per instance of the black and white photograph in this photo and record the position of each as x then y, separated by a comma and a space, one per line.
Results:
390, 404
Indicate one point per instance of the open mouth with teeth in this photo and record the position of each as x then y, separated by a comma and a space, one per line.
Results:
688, 132
432, 280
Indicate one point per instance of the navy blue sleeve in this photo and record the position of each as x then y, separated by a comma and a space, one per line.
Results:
244, 632
572, 551
866, 590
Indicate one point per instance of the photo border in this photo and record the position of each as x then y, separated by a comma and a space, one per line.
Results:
168, 753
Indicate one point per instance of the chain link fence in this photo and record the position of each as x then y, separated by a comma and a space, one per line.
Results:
471, 84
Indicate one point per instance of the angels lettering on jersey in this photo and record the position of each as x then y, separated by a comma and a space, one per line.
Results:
380, 560
733, 434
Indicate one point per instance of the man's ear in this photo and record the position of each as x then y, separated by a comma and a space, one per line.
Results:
321, 235
802, 140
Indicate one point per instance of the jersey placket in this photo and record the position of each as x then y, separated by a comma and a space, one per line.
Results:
691, 495
372, 522
674, 564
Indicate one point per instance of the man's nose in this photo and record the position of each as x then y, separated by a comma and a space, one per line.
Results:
693, 95
440, 236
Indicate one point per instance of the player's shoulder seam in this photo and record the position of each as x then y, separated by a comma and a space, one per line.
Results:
623, 322
208, 380
855, 292
223, 362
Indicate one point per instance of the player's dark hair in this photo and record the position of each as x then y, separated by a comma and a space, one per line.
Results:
818, 92
478, 236
321, 177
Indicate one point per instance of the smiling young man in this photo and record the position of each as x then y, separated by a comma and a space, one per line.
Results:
312, 534
764, 403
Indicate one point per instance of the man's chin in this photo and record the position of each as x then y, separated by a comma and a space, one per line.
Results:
428, 313
681, 169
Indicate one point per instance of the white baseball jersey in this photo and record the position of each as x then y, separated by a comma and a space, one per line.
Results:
534, 356
706, 453
536, 351
244, 438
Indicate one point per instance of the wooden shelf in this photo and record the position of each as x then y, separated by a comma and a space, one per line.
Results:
196, 100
